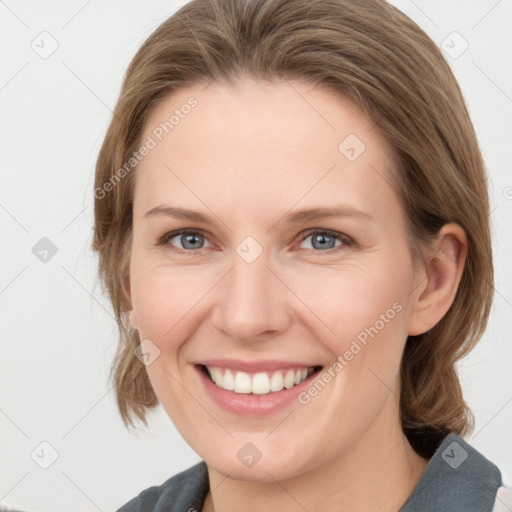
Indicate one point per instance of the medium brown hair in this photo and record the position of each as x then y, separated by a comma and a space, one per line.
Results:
373, 53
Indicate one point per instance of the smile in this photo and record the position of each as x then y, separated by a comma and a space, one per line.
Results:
260, 383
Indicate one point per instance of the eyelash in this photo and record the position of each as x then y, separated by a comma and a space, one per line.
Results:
346, 241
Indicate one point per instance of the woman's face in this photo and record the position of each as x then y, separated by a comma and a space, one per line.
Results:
259, 286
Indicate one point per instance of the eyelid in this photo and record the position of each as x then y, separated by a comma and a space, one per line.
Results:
345, 239
183, 231
331, 232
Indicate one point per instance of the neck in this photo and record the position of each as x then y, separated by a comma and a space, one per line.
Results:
377, 472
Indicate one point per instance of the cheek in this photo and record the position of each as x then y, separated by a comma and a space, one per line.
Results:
361, 314
167, 304
366, 311
345, 301
164, 297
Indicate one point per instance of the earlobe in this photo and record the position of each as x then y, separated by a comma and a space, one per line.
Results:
445, 267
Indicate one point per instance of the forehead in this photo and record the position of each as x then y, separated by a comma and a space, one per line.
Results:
271, 143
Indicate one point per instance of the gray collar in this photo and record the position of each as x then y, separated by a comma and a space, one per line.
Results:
458, 478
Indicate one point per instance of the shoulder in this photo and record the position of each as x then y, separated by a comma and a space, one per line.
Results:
183, 492
458, 478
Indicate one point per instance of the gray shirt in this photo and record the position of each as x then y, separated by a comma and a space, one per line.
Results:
458, 478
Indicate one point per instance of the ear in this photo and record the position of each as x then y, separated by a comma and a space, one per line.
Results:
438, 283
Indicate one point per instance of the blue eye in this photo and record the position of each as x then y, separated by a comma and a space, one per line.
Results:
193, 241
323, 240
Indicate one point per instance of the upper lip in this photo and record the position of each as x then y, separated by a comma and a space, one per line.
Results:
255, 366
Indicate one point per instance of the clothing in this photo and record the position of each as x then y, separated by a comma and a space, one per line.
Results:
458, 478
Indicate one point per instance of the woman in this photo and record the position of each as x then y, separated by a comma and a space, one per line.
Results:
291, 218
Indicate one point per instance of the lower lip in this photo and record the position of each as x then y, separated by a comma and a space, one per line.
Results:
253, 404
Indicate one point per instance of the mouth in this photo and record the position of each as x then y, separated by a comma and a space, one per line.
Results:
259, 383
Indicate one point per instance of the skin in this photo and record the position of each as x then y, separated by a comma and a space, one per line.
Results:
246, 156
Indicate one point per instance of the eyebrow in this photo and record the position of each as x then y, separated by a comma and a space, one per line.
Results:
291, 218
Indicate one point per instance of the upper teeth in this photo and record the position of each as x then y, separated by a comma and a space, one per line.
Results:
259, 383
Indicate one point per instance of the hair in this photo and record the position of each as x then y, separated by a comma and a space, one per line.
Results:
372, 53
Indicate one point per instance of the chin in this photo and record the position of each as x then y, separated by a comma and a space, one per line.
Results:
244, 461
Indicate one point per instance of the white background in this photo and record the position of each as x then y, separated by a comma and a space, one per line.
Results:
57, 331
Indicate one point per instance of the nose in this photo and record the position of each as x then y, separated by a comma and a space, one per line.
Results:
251, 302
